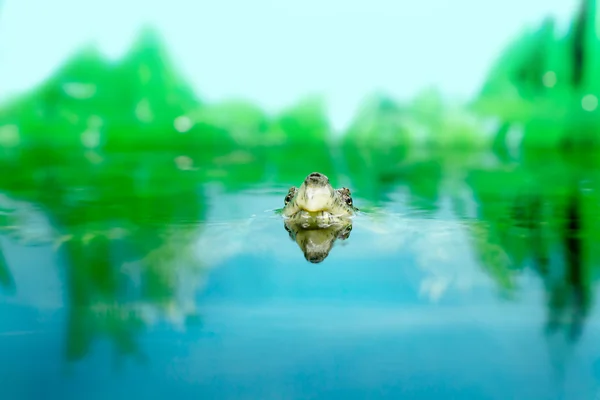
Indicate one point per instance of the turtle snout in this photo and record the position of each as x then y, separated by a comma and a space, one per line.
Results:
317, 177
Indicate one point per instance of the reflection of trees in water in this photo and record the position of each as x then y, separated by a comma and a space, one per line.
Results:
566, 283
572, 292
124, 229
119, 224
538, 218
6, 280
112, 296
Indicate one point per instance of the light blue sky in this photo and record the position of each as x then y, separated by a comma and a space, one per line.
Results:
274, 52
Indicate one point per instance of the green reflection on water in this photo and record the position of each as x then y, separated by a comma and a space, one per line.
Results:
126, 223
540, 214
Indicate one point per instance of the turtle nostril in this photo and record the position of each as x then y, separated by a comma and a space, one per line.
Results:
316, 178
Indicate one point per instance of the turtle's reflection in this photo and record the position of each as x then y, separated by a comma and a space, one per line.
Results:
317, 239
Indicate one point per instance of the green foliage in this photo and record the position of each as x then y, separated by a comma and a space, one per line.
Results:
549, 85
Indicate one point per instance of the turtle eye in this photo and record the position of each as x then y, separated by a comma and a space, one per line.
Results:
345, 234
349, 201
289, 196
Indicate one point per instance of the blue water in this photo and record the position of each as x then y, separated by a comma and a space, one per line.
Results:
401, 309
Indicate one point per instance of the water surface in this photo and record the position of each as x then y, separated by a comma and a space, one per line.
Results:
144, 275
